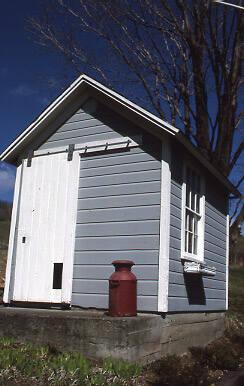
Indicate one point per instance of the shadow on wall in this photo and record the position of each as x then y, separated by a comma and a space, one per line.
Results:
195, 289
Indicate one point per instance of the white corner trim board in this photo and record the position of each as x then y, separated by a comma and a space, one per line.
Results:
12, 234
227, 261
163, 280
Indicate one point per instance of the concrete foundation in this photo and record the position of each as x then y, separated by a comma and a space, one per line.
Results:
139, 339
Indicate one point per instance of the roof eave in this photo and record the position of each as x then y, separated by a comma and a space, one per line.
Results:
10, 154
195, 152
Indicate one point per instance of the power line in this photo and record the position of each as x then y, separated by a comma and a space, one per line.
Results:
230, 4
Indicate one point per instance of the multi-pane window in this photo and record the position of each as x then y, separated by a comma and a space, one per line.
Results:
192, 212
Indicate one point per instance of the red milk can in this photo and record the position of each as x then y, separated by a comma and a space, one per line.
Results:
122, 290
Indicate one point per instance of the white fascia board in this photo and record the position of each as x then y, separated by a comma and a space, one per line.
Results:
163, 269
131, 106
85, 80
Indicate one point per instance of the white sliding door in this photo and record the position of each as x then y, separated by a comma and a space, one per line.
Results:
45, 228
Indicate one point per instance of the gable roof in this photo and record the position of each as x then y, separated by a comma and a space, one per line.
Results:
142, 117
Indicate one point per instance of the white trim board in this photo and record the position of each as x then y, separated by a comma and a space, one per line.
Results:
69, 248
163, 279
227, 261
12, 234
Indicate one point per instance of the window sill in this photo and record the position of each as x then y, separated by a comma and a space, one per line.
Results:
196, 267
192, 258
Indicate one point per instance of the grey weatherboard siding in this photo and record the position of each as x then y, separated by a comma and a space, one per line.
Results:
118, 217
189, 292
118, 207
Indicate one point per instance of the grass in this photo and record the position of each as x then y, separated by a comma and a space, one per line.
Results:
236, 293
30, 365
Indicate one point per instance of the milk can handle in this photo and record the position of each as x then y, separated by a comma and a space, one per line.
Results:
114, 283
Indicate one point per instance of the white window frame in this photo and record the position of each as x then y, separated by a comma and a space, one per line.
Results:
199, 257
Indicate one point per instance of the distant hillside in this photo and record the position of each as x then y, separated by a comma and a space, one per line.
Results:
5, 216
4, 234
237, 253
241, 244
5, 210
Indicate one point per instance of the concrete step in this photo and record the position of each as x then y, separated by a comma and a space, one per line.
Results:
143, 338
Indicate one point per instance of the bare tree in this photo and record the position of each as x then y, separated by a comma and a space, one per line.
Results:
184, 57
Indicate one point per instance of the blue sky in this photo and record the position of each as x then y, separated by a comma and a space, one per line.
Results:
30, 78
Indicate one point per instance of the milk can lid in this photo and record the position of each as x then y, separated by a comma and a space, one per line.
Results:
125, 263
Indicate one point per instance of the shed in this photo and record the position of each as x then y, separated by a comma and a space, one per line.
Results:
98, 179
